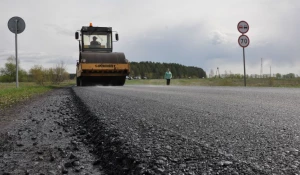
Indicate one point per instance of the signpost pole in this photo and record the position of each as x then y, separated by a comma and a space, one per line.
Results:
244, 67
16, 43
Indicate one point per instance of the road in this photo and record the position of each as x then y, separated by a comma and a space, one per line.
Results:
153, 130
206, 130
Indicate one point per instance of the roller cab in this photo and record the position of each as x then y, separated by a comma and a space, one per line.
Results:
97, 63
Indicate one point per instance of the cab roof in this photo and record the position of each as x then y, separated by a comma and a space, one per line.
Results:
95, 29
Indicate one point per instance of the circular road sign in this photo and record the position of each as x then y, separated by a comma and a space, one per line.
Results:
12, 24
244, 41
243, 27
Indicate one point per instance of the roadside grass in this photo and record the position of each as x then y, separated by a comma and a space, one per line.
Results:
252, 82
10, 95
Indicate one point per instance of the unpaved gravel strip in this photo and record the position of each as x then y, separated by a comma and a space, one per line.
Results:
43, 139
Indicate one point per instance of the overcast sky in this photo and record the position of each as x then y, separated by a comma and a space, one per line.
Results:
200, 33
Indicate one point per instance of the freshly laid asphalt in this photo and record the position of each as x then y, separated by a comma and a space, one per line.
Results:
153, 130
200, 130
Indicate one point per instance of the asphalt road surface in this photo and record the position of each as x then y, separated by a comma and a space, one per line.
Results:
200, 130
153, 130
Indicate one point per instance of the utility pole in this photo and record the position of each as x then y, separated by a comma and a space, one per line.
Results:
261, 68
270, 72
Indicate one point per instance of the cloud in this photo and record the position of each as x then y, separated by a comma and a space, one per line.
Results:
60, 30
195, 33
218, 38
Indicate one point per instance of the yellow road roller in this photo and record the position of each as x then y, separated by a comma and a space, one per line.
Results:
98, 64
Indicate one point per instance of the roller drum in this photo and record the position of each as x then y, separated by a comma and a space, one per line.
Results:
99, 58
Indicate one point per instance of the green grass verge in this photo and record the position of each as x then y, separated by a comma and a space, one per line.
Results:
253, 82
10, 95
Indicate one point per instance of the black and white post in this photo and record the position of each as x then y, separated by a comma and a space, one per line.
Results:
16, 25
243, 41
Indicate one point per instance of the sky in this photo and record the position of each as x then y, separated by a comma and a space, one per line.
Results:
201, 33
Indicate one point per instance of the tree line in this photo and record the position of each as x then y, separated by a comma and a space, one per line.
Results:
37, 73
156, 70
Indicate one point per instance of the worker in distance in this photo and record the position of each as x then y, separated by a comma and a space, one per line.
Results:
168, 76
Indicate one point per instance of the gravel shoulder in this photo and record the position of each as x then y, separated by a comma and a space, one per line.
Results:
40, 137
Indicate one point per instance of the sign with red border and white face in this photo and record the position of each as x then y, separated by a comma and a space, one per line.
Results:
243, 27
244, 41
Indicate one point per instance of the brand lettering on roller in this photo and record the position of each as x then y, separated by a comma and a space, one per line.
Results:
105, 65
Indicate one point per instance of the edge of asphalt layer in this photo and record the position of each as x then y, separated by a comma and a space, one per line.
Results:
116, 156
112, 154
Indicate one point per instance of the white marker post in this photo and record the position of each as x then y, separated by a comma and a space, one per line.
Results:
243, 27
16, 25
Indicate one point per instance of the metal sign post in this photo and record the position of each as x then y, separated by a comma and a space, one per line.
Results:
243, 41
16, 46
244, 67
16, 25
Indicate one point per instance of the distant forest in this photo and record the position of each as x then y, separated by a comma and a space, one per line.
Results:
157, 70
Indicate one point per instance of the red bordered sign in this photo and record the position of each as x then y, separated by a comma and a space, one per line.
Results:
243, 27
244, 41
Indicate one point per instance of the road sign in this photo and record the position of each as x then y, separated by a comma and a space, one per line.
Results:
243, 27
244, 41
16, 24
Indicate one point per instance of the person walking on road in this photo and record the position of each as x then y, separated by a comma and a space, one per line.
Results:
168, 76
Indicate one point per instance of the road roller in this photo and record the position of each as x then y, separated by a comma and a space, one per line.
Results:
97, 63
